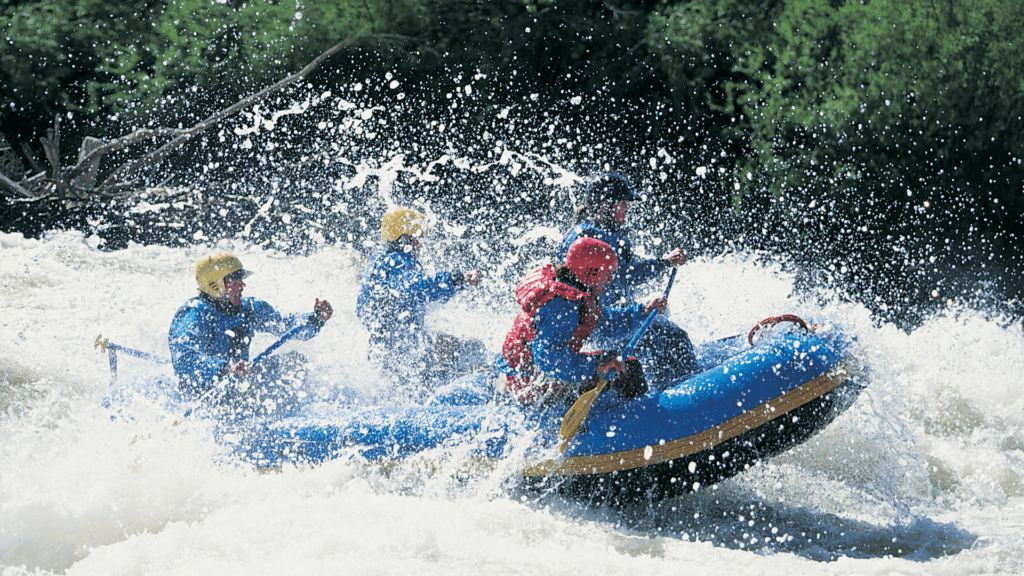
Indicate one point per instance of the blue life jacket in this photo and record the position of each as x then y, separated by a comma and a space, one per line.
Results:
632, 271
207, 336
393, 298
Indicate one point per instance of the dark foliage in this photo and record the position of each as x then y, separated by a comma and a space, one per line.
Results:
876, 146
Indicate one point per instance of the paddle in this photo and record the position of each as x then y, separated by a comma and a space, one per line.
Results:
579, 410
284, 338
106, 346
112, 350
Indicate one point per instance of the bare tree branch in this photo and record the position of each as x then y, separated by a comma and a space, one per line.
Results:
27, 151
162, 152
11, 184
388, 38
51, 146
120, 144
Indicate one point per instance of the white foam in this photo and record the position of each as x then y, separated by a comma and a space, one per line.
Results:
930, 456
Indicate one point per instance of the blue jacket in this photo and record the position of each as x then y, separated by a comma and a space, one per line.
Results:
555, 323
206, 336
632, 271
393, 298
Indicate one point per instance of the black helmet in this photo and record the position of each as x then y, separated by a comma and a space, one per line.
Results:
610, 187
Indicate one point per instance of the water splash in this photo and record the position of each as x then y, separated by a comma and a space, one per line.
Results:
922, 474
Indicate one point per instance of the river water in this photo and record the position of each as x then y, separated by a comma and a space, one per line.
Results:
923, 475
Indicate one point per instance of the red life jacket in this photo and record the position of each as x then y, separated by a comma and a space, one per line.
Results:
536, 290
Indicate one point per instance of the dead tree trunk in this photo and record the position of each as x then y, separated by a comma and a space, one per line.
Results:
86, 179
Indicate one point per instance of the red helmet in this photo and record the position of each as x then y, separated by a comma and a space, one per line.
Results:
592, 261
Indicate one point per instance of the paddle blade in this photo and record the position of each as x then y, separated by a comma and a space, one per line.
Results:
577, 413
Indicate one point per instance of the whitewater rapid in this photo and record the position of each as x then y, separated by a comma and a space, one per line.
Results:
923, 475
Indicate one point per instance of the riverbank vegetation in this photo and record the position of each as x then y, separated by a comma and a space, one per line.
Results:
878, 141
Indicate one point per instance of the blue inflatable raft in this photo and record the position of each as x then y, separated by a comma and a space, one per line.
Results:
749, 403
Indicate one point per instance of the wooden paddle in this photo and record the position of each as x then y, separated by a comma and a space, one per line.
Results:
579, 410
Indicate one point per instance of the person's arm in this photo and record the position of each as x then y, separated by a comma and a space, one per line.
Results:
644, 270
265, 319
556, 322
417, 287
189, 342
638, 270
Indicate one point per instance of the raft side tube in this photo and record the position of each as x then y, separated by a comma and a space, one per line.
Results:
388, 433
821, 389
742, 383
615, 478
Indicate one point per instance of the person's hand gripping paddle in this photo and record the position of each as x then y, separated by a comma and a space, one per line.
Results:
579, 410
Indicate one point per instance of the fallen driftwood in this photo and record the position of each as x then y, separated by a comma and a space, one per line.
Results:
15, 187
79, 181
11, 164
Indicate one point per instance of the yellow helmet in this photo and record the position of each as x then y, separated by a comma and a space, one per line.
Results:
399, 221
211, 270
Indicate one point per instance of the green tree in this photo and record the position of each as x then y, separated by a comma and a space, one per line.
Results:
869, 108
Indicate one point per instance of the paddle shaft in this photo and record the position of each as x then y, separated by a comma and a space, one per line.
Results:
650, 318
286, 337
112, 350
579, 410
137, 353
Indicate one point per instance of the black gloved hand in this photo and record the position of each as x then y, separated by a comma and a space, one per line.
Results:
608, 364
631, 383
